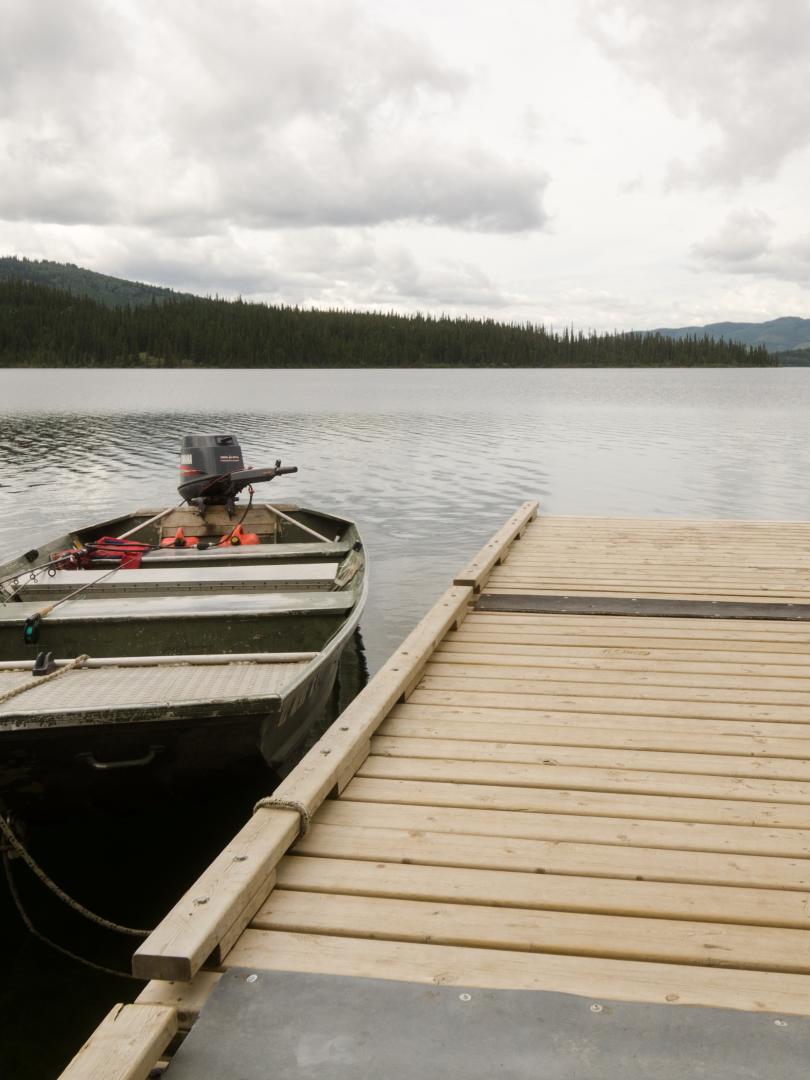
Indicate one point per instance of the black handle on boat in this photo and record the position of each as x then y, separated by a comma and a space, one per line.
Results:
257, 476
128, 763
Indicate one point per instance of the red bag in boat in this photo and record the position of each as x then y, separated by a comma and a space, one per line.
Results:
130, 552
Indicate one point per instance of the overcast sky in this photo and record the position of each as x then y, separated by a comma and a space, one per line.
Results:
606, 163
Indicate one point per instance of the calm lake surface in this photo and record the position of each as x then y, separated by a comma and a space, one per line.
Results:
429, 463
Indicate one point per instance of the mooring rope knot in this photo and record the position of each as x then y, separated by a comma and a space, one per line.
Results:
279, 802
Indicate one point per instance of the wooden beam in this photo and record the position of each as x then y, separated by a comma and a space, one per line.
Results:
232, 888
126, 1045
478, 569
186, 998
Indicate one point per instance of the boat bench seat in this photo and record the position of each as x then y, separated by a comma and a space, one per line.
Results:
246, 553
194, 579
204, 605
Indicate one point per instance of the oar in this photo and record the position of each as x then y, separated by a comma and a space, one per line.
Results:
275, 510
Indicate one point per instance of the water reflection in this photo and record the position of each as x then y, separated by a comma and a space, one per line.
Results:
428, 462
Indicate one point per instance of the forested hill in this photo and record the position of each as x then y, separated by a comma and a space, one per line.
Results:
777, 335
112, 291
45, 327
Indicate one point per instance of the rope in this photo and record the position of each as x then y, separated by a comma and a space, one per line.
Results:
28, 859
241, 520
40, 680
278, 802
12, 888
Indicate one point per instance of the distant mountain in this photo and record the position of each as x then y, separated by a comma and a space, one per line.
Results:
777, 335
110, 291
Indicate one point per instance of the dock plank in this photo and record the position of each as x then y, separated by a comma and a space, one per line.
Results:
536, 752
404, 723
554, 857
582, 803
613, 684
660, 940
460, 693
616, 980
786, 798
126, 1045
416, 707
497, 654
444, 882
739, 840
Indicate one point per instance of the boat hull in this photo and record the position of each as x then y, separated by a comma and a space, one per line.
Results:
54, 769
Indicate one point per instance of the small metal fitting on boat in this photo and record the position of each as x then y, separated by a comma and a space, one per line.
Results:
44, 664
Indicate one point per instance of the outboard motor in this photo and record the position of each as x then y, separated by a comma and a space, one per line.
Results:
212, 470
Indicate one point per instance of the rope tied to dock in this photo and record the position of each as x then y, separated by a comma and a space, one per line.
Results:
40, 680
278, 802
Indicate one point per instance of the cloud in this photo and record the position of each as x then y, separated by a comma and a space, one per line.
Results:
319, 267
745, 244
739, 65
191, 118
744, 237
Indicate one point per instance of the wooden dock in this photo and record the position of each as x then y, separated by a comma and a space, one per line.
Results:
586, 772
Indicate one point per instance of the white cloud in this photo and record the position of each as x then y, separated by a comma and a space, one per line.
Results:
738, 65
744, 237
189, 118
745, 244
517, 164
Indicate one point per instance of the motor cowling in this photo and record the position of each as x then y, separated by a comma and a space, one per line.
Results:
212, 469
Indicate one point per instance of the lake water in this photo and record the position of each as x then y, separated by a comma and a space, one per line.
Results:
429, 463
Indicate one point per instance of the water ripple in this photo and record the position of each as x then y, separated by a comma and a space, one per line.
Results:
428, 462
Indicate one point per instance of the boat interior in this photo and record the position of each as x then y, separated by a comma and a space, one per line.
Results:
261, 579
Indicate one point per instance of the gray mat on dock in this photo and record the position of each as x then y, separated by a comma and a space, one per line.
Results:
539, 604
285, 1025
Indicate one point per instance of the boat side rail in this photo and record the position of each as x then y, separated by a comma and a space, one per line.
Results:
191, 659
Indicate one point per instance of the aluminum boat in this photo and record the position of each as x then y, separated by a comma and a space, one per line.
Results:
173, 641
